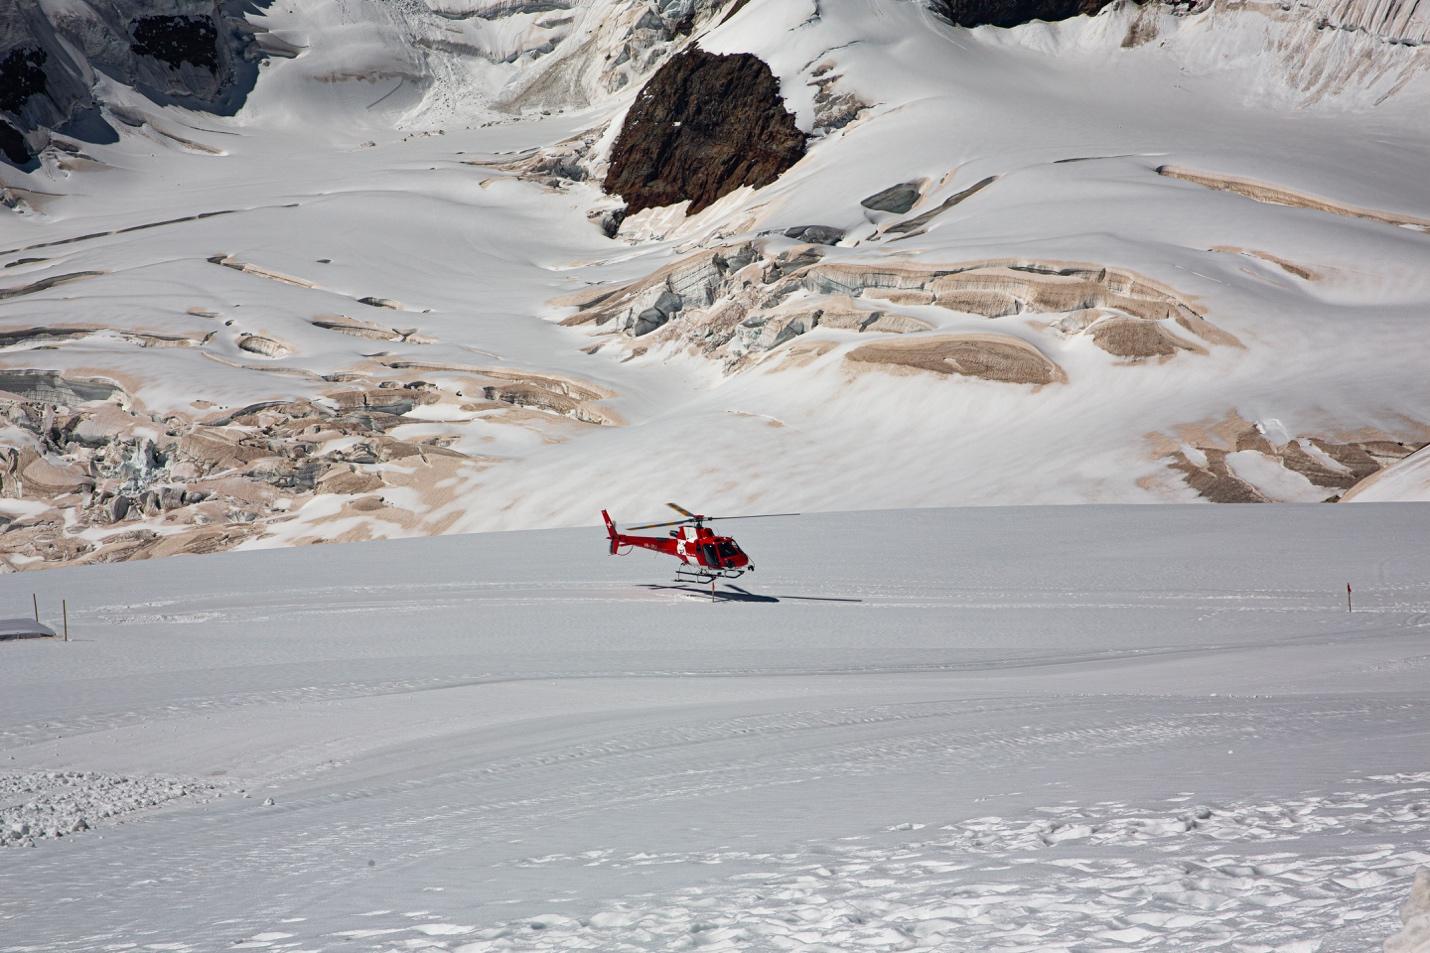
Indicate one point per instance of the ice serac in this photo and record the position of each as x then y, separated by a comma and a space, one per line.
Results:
703, 126
196, 53
739, 301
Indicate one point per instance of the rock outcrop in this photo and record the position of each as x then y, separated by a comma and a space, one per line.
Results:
1010, 13
1238, 461
703, 126
896, 198
198, 53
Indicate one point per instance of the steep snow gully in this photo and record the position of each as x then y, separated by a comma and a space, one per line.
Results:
1121, 728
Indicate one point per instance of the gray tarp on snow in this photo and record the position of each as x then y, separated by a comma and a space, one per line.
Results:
24, 629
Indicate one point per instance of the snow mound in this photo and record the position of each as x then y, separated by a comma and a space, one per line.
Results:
43, 805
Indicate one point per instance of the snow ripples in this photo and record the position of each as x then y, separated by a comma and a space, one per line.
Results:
1313, 874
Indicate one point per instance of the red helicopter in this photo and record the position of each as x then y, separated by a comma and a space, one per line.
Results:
704, 557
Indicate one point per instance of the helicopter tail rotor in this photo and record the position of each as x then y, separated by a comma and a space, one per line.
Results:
611, 532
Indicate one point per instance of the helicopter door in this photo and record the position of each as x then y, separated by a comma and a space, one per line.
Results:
712, 559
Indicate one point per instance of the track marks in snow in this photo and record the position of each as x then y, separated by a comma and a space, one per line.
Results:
456, 793
854, 593
433, 803
28, 733
1316, 873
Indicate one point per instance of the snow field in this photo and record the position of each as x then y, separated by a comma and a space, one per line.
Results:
1239, 876
373, 220
1117, 728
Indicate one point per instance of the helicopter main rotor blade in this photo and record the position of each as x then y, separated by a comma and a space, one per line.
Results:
682, 510
706, 519
658, 525
749, 516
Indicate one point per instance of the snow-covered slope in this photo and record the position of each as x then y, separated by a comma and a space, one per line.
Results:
1121, 728
1157, 254
1407, 480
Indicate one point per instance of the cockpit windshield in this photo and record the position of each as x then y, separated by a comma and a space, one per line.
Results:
728, 549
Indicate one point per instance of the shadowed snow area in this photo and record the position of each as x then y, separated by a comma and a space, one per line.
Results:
1113, 728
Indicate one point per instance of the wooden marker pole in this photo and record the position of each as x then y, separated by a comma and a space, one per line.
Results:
36, 600
65, 609
1348, 597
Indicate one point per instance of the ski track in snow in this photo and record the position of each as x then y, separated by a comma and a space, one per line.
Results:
351, 601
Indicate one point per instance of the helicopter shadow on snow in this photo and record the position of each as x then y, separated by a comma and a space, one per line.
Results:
733, 593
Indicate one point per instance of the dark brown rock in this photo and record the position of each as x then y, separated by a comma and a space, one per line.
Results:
1009, 13
22, 75
200, 54
703, 126
13, 145
177, 40
1215, 481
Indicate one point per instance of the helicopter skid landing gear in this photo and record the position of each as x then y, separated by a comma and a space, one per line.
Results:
703, 575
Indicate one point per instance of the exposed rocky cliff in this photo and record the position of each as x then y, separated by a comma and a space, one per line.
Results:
1401, 21
1009, 13
195, 53
703, 126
